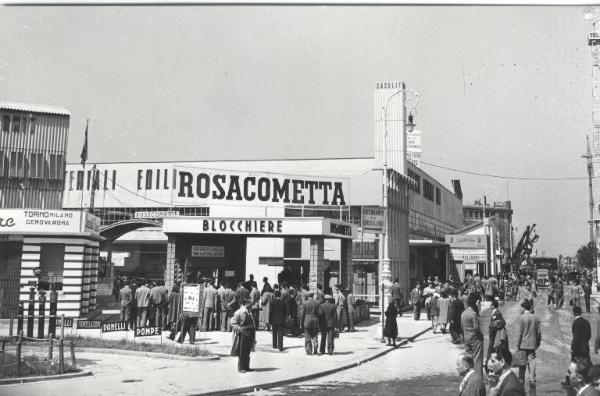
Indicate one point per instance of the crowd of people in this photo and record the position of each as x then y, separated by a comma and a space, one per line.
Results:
243, 310
457, 305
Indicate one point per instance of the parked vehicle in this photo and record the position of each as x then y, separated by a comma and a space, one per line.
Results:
542, 277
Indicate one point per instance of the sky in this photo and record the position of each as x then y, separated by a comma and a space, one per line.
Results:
504, 90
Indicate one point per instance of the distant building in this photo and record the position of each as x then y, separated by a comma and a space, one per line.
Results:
500, 215
33, 145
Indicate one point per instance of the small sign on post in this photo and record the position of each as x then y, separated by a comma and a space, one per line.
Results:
192, 298
89, 324
109, 327
148, 331
64, 322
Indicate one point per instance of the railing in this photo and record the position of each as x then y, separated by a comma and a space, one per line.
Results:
15, 365
31, 317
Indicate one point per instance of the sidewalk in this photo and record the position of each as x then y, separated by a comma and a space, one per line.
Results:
132, 375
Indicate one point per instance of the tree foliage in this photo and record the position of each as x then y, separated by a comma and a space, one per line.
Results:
587, 255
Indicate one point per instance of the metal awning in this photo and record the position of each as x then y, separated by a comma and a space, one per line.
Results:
33, 108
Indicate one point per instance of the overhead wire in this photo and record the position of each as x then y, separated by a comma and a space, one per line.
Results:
503, 176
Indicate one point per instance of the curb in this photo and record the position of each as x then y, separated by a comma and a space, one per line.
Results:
252, 388
147, 354
22, 380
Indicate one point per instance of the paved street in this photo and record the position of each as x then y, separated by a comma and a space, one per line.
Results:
427, 366
134, 375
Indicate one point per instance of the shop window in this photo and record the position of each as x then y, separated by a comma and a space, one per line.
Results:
56, 167
438, 196
16, 124
79, 180
17, 165
417, 186
52, 264
6, 123
36, 166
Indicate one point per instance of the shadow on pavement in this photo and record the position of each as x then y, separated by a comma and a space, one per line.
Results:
418, 386
86, 362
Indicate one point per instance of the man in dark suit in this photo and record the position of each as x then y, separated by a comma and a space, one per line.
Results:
454, 312
472, 332
328, 324
472, 383
250, 283
277, 315
580, 345
396, 295
508, 383
310, 320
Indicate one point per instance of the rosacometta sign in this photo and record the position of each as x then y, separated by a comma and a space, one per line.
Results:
145, 185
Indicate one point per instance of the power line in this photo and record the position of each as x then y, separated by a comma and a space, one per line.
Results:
502, 176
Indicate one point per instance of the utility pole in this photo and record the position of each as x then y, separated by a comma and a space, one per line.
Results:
590, 169
487, 270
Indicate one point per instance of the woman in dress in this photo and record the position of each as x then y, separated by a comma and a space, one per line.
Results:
243, 328
444, 305
265, 302
434, 311
577, 294
390, 331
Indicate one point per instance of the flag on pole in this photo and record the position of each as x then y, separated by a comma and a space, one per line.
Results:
84, 151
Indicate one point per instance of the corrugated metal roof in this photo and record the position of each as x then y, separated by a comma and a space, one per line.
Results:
34, 108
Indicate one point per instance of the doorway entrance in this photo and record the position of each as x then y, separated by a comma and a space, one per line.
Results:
10, 277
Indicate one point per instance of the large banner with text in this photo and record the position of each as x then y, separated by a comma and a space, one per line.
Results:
168, 185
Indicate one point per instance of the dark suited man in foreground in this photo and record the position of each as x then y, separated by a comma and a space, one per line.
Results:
310, 320
328, 322
580, 345
277, 316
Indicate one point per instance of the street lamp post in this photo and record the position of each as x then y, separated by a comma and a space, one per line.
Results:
386, 272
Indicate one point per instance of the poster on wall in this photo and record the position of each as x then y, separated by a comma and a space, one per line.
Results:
208, 251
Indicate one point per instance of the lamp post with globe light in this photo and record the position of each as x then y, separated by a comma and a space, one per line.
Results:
407, 125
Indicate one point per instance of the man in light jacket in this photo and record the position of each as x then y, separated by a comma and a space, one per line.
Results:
339, 302
209, 302
529, 339
142, 298
226, 296
255, 308
126, 297
351, 310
